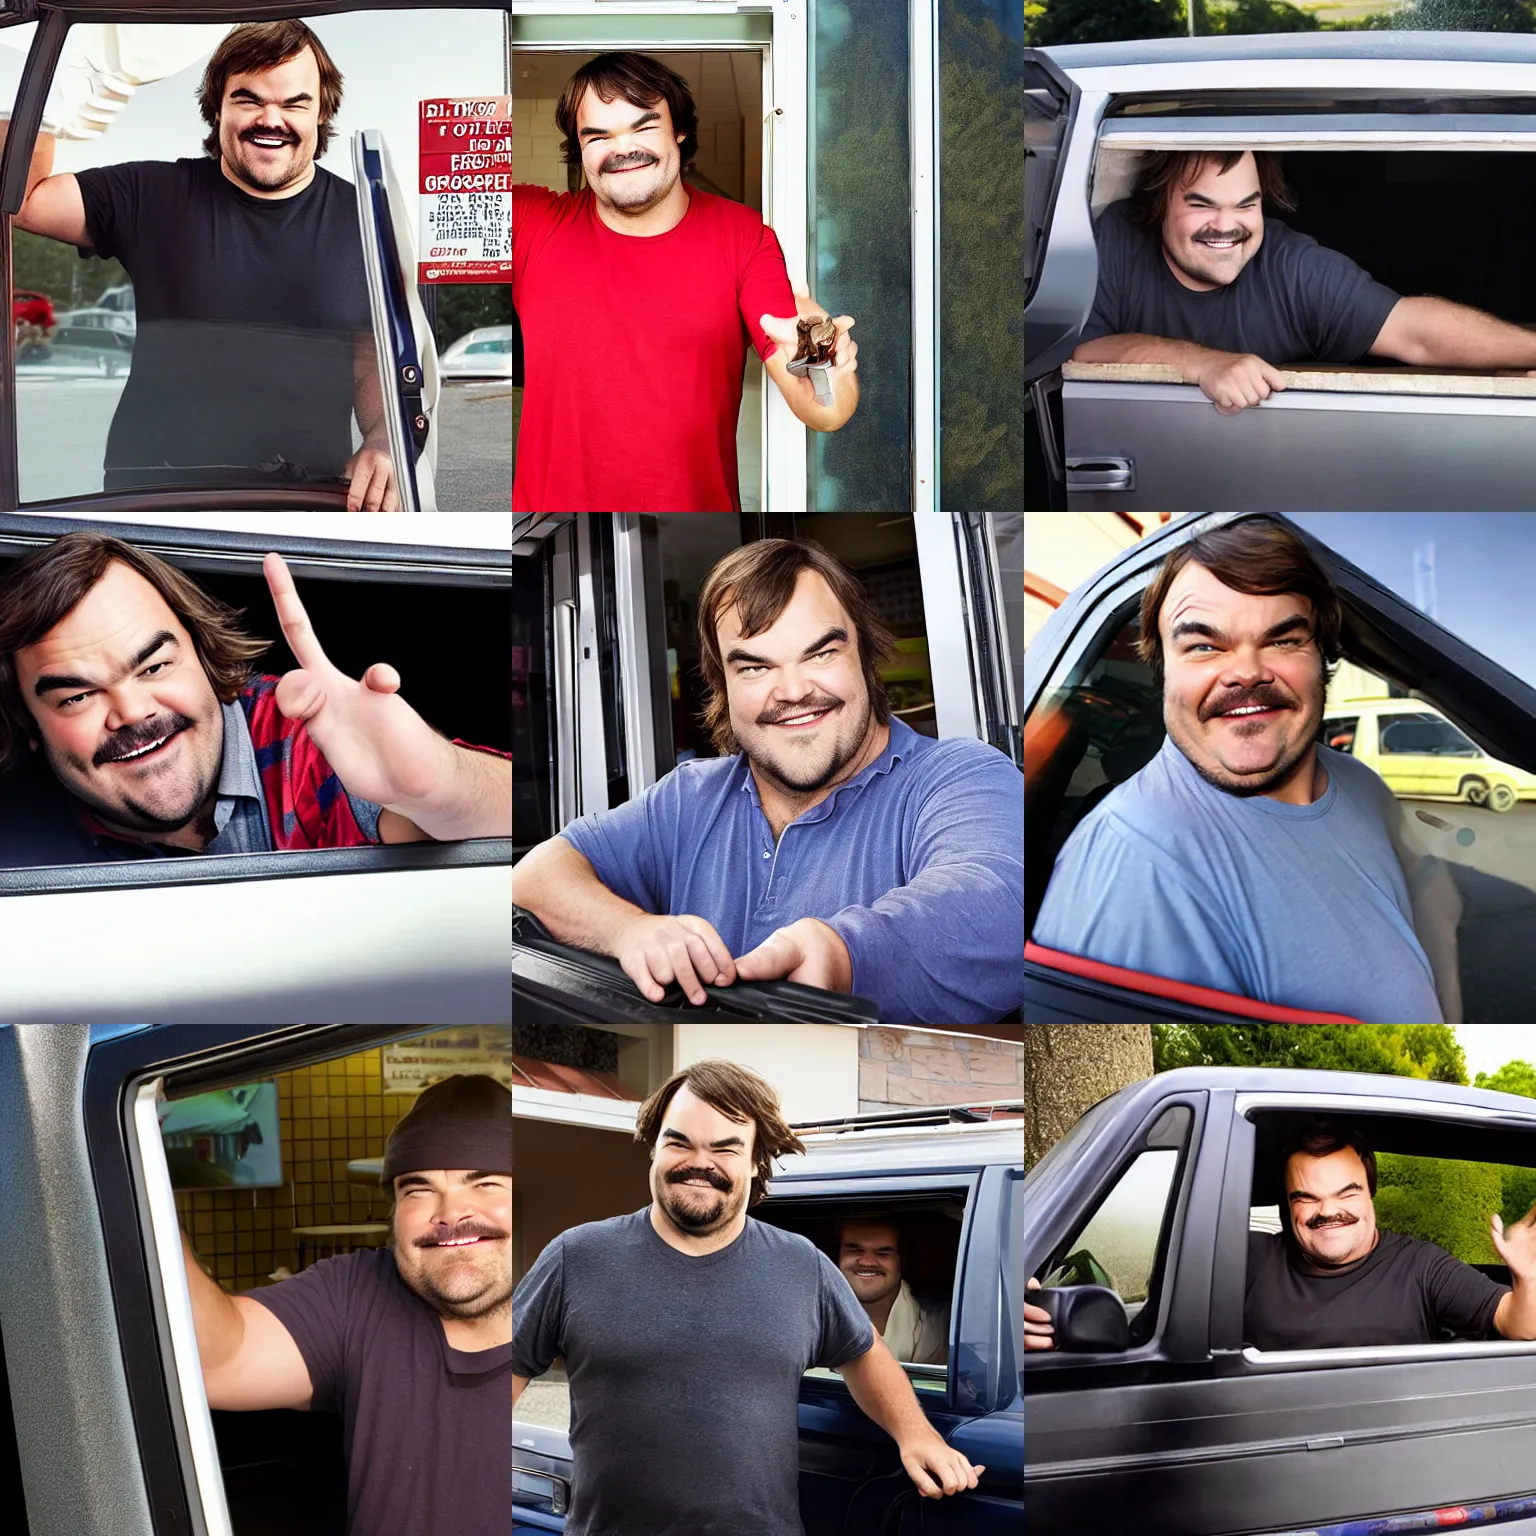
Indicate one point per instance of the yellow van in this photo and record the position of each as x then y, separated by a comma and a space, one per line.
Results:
1420, 753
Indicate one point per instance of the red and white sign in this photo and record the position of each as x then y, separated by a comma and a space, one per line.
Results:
466, 190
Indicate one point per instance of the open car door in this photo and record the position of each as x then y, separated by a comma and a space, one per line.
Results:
402, 337
1093, 719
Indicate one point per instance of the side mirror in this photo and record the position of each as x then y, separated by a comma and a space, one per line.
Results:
1087, 1318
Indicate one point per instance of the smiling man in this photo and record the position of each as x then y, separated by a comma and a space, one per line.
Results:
411, 1344
137, 690
686, 1329
1246, 856
829, 843
869, 1255
254, 347
638, 296
1193, 273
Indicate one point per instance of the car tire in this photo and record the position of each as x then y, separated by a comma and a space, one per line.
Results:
1502, 797
1475, 791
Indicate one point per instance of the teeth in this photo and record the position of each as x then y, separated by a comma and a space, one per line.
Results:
142, 750
1251, 709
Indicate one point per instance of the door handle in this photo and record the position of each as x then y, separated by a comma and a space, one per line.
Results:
1107, 472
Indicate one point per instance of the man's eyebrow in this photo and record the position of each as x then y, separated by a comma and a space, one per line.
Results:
836, 633
411, 1180
51, 682
714, 1146
290, 101
1304, 1194
1211, 632
639, 122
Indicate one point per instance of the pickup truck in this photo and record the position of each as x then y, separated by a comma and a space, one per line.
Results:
956, 1177
1137, 1225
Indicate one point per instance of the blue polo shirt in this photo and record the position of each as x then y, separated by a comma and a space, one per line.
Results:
917, 863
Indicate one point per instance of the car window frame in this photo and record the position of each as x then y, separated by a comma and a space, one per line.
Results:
232, 550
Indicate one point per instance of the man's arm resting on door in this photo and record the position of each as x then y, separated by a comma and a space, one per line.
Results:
556, 882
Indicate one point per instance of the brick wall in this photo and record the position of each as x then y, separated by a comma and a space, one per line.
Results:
909, 1068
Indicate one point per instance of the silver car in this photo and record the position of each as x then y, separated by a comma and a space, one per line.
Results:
1399, 146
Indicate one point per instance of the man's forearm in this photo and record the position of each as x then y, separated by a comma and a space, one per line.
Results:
1188, 357
474, 798
41, 166
1428, 332
367, 397
215, 1318
881, 1389
1515, 1317
829, 418
558, 885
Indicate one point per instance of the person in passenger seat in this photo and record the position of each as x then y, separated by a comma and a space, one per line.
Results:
904, 880
136, 688
412, 1343
1193, 273
1246, 856
869, 1255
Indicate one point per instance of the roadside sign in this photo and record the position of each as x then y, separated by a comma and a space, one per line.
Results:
466, 190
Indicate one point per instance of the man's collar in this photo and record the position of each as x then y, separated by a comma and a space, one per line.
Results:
898, 746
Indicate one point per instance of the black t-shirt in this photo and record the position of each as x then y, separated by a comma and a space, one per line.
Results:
428, 1428
1403, 1292
247, 312
1294, 301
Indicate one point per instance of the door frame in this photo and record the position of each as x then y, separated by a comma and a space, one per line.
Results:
574, 26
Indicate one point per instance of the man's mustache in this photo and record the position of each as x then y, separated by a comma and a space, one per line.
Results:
123, 742
1222, 234
1330, 1221
252, 134
629, 165
808, 707
717, 1180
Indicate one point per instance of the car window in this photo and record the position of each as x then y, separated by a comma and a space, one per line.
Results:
273, 1175
1119, 1246
86, 423
1045, 126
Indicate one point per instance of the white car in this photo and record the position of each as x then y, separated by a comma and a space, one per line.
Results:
483, 353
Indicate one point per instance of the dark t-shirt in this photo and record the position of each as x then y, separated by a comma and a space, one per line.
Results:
1403, 1292
1294, 301
427, 1427
247, 310
684, 1372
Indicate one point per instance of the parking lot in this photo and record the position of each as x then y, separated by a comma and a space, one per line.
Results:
1502, 844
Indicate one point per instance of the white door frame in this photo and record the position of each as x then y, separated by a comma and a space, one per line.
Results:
786, 152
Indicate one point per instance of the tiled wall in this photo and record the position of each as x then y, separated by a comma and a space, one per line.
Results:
331, 1114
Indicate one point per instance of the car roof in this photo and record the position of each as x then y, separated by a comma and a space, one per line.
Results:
1410, 1090
1447, 47
905, 1149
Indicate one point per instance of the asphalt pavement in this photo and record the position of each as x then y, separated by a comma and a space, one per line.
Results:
546, 1402
474, 452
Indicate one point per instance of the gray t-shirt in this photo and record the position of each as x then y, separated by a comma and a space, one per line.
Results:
684, 1372
1302, 905
1294, 301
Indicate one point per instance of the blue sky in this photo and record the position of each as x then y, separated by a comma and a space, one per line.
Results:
1484, 564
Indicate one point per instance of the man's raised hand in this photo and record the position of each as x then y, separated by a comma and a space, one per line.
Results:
380, 748
1516, 1244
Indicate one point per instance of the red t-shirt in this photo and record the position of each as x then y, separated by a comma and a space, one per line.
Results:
633, 349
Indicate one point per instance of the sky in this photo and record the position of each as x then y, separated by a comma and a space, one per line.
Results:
1488, 1046
1484, 571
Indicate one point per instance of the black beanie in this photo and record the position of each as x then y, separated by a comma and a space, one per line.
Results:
464, 1121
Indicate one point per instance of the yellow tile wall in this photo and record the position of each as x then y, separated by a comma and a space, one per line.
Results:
330, 1114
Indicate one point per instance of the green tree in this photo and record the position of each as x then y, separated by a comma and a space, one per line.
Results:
1243, 17
464, 307
1106, 21
1425, 1051
1513, 1077
1448, 16
1441, 1200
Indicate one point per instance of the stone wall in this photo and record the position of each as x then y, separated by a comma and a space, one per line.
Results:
913, 1069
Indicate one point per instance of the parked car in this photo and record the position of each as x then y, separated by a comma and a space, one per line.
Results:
1421, 753
97, 318
1174, 1416
1384, 135
1093, 718
957, 1175
483, 353
409, 931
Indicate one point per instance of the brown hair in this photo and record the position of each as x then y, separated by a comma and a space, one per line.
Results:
1165, 170
638, 78
260, 45
41, 590
1256, 555
1319, 1137
738, 1093
759, 578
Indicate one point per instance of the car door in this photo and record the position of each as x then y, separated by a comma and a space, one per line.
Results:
1091, 711
382, 933
56, 426
1137, 437
1058, 278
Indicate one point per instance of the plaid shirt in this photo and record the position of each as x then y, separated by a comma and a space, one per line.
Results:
276, 791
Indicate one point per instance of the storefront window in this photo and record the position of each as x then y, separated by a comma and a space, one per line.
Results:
861, 244
981, 251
